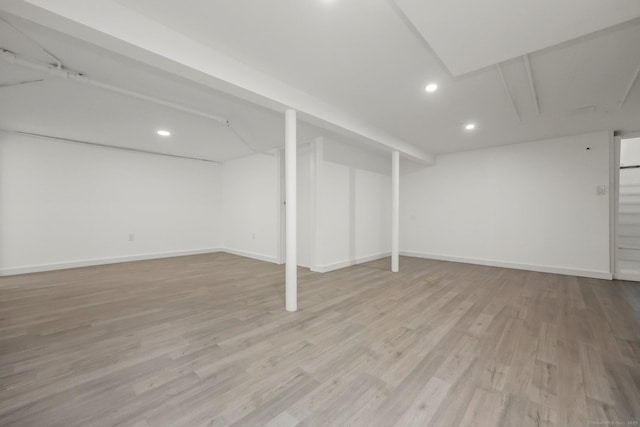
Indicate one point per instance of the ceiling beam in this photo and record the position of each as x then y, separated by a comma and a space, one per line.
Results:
112, 26
532, 85
506, 87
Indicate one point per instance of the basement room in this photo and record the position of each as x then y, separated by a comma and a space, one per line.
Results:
319, 213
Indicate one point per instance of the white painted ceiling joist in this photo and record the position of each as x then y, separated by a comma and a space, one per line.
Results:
61, 72
532, 84
117, 28
630, 86
508, 91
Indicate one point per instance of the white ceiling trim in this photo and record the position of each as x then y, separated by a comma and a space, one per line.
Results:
117, 28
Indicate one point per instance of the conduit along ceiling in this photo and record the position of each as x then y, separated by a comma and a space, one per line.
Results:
519, 70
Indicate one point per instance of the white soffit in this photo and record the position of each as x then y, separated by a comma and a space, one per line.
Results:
469, 35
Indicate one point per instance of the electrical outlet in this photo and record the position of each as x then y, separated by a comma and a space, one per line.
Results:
132, 237
601, 190
253, 236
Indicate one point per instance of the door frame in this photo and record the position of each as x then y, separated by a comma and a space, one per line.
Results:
614, 198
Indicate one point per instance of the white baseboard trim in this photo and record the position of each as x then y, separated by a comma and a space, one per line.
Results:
253, 255
319, 268
101, 261
348, 263
629, 277
518, 266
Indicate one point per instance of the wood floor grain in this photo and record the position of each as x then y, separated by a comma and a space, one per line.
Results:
204, 341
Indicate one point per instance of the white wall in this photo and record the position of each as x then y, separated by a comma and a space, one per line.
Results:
304, 196
251, 194
64, 205
343, 205
352, 206
630, 152
532, 206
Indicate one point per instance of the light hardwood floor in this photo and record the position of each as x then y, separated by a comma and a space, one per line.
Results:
205, 341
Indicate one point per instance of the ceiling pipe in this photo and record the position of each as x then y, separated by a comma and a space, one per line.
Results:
63, 73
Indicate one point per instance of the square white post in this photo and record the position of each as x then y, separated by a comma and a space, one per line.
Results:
395, 211
291, 267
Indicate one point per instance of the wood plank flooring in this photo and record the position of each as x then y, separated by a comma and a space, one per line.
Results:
204, 341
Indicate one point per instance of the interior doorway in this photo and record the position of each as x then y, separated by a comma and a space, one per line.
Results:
627, 247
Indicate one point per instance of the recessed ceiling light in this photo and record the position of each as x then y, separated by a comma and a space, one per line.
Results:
470, 126
431, 87
162, 132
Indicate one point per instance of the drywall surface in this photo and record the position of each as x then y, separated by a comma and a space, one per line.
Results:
630, 152
532, 206
67, 205
251, 199
352, 205
304, 197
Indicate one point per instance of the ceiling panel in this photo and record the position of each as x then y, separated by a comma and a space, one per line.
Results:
592, 72
469, 35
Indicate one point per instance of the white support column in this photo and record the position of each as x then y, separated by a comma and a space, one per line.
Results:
291, 268
395, 211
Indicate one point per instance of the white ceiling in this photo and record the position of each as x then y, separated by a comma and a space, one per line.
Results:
70, 110
366, 58
468, 35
